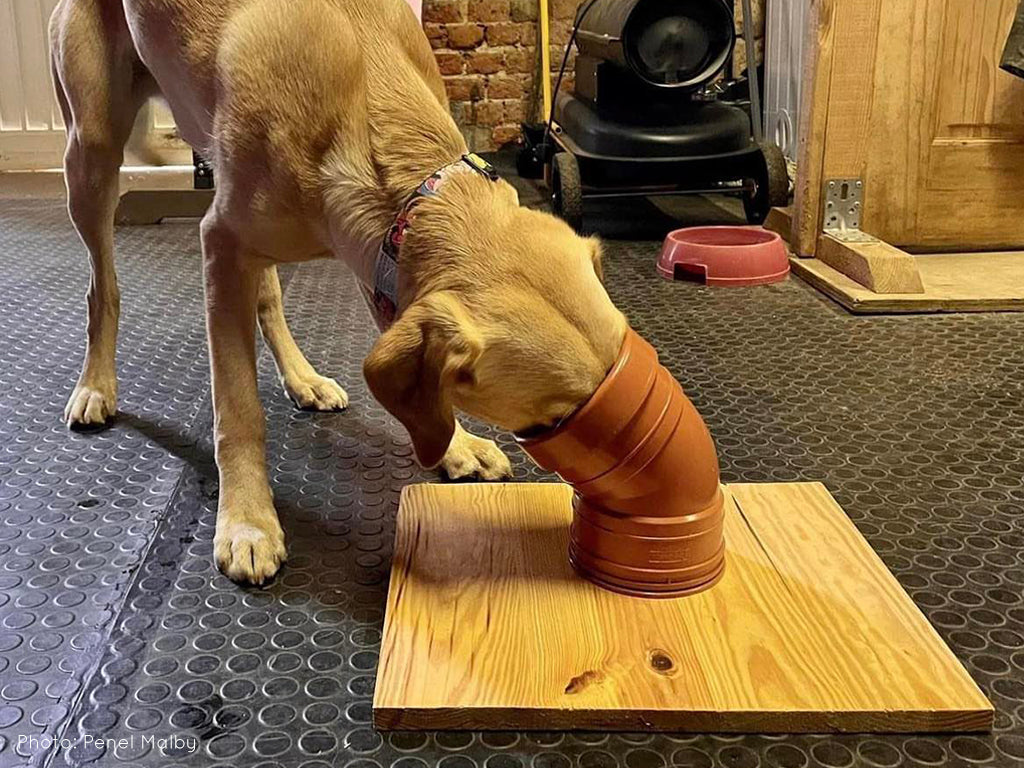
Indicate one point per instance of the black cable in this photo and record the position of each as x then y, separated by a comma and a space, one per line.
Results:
561, 72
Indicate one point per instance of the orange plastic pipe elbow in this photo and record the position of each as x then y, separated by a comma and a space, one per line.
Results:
649, 508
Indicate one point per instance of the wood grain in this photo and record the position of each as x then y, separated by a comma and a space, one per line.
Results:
953, 282
487, 627
780, 221
815, 85
877, 266
917, 107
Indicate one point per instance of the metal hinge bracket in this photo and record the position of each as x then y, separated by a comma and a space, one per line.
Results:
844, 203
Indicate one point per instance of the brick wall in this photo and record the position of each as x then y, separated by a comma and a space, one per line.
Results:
487, 52
739, 55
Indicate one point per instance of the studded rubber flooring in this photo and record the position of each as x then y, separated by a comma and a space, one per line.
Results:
120, 643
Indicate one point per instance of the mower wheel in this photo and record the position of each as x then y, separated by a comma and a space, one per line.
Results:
778, 175
567, 189
771, 184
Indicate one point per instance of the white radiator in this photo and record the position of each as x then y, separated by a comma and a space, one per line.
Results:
784, 39
31, 128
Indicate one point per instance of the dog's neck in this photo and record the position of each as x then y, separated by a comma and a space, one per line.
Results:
368, 182
407, 153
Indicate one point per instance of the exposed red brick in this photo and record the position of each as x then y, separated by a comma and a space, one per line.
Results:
464, 35
523, 10
464, 87
489, 113
504, 33
514, 111
485, 62
505, 134
560, 31
486, 51
521, 60
443, 11
479, 137
557, 54
436, 34
449, 62
489, 10
505, 87
564, 9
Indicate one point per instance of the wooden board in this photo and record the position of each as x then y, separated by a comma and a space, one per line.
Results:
953, 282
488, 627
151, 206
907, 96
49, 182
874, 264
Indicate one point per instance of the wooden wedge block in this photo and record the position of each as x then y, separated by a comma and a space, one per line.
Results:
876, 265
780, 220
488, 627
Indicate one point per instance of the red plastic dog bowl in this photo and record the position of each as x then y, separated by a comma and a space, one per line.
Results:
724, 256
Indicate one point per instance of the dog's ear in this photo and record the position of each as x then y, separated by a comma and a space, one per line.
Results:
411, 370
596, 255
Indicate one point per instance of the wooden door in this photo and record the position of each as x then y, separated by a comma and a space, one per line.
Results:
909, 97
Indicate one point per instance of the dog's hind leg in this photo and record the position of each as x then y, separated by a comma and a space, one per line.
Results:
307, 388
100, 85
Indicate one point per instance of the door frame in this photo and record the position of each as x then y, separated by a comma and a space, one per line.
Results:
839, 111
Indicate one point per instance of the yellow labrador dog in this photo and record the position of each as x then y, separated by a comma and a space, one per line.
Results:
328, 128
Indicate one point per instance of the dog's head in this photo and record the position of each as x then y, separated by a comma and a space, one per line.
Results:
511, 323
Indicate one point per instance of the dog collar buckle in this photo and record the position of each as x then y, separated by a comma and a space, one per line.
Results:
480, 165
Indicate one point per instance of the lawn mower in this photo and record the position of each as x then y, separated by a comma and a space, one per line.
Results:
646, 118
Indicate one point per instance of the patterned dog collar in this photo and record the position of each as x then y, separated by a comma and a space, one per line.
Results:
385, 272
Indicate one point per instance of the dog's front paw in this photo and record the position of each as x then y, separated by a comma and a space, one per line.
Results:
249, 548
316, 393
91, 406
469, 456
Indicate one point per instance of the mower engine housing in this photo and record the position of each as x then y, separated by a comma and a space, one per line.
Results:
644, 51
638, 124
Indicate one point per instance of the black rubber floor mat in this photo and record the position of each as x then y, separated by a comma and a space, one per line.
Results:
78, 511
115, 625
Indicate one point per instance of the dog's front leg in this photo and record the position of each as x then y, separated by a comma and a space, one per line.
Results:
471, 456
248, 544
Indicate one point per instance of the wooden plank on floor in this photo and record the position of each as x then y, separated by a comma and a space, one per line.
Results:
488, 627
151, 206
953, 282
49, 182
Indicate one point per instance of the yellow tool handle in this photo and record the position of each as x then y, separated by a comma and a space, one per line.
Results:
545, 57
